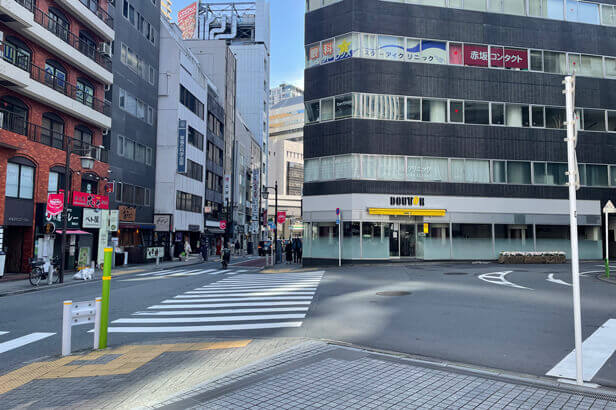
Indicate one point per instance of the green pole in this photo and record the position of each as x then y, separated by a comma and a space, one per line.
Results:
105, 302
607, 268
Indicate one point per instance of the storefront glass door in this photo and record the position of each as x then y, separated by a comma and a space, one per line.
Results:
408, 241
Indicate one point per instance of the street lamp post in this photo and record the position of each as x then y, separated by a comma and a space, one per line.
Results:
87, 162
265, 194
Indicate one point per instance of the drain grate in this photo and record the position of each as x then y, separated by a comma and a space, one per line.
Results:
455, 273
393, 293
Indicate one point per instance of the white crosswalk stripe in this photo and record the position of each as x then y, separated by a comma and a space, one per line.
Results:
190, 271
596, 351
245, 301
22, 341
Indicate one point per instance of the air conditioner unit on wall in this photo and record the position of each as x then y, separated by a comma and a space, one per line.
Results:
105, 49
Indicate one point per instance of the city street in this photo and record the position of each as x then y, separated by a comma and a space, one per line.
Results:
510, 317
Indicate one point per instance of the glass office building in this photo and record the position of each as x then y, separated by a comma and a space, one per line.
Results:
437, 127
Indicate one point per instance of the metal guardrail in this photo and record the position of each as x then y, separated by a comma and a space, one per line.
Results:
9, 54
17, 124
71, 39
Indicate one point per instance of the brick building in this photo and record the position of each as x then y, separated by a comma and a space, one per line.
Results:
54, 70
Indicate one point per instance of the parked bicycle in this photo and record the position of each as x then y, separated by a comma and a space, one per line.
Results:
37, 273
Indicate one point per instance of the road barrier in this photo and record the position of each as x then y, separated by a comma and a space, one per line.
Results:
79, 313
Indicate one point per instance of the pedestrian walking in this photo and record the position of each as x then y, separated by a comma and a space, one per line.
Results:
237, 247
294, 245
289, 252
204, 250
187, 249
299, 250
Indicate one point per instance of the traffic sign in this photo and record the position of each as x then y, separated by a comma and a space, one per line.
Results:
337, 211
609, 208
223, 225
282, 217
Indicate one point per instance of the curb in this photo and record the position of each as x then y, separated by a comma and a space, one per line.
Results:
64, 285
606, 280
479, 371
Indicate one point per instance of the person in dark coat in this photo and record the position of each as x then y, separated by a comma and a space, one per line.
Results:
299, 250
294, 244
289, 252
204, 249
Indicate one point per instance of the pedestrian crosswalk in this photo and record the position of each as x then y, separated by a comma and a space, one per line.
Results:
184, 272
246, 301
18, 342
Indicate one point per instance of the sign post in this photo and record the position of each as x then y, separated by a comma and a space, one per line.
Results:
607, 210
339, 236
573, 175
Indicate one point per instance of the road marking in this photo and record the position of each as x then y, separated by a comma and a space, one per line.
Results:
246, 299
207, 295
239, 287
596, 350
560, 282
3, 333
224, 305
193, 272
153, 272
213, 328
22, 341
254, 283
498, 278
267, 289
221, 311
211, 319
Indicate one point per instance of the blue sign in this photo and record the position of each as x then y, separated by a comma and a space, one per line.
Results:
272, 225
182, 147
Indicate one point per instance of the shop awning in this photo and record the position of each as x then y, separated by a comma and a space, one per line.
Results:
77, 232
407, 212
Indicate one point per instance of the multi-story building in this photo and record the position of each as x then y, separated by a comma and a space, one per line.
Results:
181, 143
283, 92
54, 69
436, 127
165, 8
286, 158
245, 28
132, 140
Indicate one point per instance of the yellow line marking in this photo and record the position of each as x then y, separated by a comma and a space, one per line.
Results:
131, 358
106, 277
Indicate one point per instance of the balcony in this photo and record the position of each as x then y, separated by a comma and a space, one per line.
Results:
92, 15
72, 49
14, 123
17, 12
51, 90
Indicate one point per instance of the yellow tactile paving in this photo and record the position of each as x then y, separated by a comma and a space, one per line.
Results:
132, 357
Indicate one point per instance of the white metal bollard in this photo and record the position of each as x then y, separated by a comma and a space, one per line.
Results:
66, 327
97, 321
79, 313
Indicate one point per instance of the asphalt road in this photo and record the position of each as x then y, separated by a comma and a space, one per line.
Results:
519, 321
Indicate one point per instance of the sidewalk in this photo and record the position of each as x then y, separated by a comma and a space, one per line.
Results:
14, 287
278, 373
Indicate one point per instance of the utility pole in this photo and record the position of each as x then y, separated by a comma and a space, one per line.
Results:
67, 175
276, 222
573, 186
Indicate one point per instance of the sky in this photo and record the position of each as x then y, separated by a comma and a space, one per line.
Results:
287, 39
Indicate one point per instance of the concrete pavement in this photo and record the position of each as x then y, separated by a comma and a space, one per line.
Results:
277, 373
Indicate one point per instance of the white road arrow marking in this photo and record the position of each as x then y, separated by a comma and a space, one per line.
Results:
498, 278
596, 350
560, 282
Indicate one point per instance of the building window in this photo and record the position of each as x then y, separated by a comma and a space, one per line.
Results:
191, 102
195, 138
194, 171
19, 181
188, 202
85, 93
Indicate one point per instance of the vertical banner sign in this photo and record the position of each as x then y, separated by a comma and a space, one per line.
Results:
187, 21
55, 204
227, 188
256, 194
103, 236
182, 147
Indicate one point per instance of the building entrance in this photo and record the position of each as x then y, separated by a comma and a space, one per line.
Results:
408, 241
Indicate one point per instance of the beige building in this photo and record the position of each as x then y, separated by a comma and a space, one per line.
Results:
286, 162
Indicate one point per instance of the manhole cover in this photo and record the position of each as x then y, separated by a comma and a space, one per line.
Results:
455, 273
393, 293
